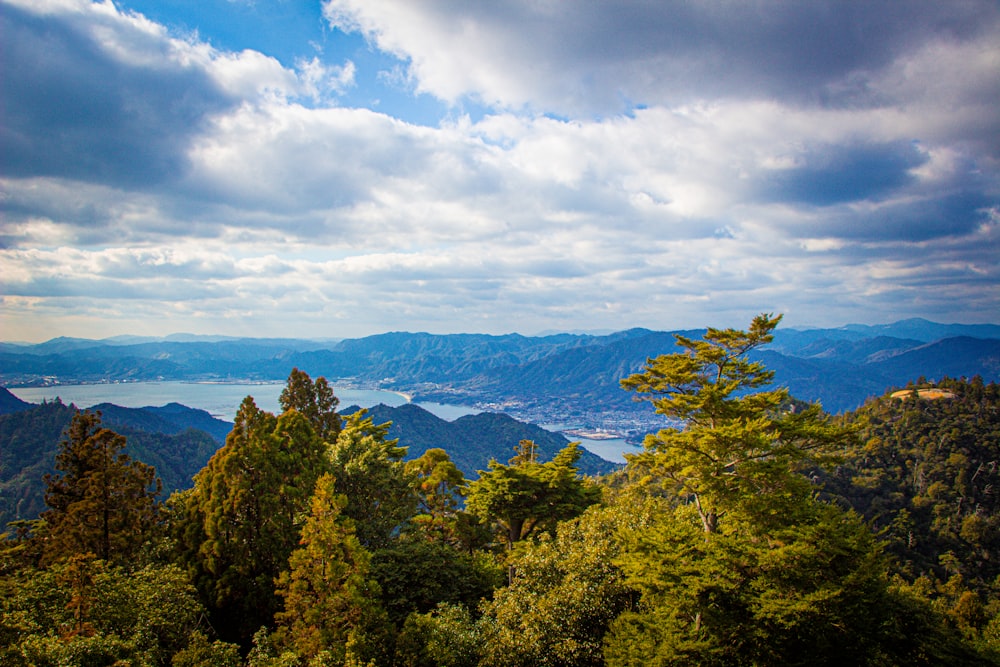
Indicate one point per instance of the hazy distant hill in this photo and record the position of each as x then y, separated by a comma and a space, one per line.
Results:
169, 419
839, 374
926, 330
542, 378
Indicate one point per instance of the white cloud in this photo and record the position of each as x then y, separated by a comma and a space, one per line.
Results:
598, 57
245, 196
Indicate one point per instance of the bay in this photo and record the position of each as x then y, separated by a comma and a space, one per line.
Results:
222, 399
609, 449
219, 399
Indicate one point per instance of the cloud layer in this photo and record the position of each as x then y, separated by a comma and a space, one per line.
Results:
638, 164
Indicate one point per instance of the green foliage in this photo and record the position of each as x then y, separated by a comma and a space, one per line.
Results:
926, 477
527, 496
315, 401
440, 490
445, 637
83, 611
242, 518
28, 443
784, 579
565, 593
734, 448
416, 574
200, 652
103, 502
370, 472
328, 593
176, 458
440, 484
809, 593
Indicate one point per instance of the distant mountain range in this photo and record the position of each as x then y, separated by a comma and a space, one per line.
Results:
544, 379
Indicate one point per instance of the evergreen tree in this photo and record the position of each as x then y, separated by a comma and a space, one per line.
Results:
102, 502
440, 489
440, 484
243, 516
315, 401
369, 470
729, 446
527, 496
750, 568
328, 595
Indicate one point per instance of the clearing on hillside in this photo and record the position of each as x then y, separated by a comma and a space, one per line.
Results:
931, 393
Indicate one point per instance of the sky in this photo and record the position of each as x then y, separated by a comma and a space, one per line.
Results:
349, 167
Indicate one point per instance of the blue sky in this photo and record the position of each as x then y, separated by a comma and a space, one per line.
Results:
348, 167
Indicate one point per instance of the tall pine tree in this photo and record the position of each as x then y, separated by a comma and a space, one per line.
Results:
731, 444
102, 502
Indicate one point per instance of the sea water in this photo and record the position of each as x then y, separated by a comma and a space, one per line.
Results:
219, 399
222, 399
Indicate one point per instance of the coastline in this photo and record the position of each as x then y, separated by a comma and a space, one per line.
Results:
589, 434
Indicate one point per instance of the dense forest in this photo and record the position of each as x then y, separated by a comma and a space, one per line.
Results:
753, 529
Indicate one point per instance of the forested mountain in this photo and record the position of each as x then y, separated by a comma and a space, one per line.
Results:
752, 529
29, 440
473, 440
927, 477
169, 419
10, 403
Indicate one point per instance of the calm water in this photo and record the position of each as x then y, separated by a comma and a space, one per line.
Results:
221, 400
609, 450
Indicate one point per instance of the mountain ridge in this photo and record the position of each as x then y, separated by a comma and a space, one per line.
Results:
545, 379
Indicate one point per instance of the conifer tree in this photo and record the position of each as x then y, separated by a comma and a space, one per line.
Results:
328, 596
749, 568
526, 496
315, 401
102, 502
730, 444
440, 487
245, 511
369, 470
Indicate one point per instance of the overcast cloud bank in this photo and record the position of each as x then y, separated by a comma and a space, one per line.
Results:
640, 164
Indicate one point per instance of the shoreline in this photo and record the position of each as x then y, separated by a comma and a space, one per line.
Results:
589, 434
